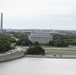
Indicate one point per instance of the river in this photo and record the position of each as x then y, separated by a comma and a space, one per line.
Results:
38, 66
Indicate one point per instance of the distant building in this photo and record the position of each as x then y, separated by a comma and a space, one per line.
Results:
42, 38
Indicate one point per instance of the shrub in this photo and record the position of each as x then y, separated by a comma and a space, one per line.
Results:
35, 50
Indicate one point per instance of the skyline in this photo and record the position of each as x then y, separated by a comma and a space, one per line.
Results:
39, 14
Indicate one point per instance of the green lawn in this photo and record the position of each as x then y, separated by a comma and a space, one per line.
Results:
51, 48
12, 44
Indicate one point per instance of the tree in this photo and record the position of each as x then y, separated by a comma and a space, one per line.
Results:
51, 43
59, 41
36, 43
24, 42
5, 44
20, 35
12, 40
36, 50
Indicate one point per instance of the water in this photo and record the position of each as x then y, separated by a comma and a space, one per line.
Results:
38, 66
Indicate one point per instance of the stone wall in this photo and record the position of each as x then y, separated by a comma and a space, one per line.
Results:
12, 55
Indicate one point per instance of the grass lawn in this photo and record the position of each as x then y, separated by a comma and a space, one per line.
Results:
12, 44
51, 48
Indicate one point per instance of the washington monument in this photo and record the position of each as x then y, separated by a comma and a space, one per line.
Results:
1, 26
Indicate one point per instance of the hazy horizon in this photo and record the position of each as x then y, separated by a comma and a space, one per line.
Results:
39, 29
39, 14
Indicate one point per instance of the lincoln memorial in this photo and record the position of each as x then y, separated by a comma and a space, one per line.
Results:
42, 38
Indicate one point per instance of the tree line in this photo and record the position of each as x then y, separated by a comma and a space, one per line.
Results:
62, 40
58, 40
5, 42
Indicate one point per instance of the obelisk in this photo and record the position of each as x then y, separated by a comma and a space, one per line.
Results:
1, 30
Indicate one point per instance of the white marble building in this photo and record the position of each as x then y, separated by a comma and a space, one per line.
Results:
42, 38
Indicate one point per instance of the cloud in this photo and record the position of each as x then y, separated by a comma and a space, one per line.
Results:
38, 12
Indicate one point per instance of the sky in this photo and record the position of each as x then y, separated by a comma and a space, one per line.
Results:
39, 14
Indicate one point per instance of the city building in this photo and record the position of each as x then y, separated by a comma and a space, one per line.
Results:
42, 38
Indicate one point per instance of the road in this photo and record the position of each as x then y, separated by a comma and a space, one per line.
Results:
61, 53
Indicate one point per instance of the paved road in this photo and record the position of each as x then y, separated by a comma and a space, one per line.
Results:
61, 53
60, 48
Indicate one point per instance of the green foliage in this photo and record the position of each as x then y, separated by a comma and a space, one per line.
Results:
36, 43
35, 50
62, 40
5, 44
60, 43
12, 40
20, 35
51, 43
24, 42
13, 45
23, 39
